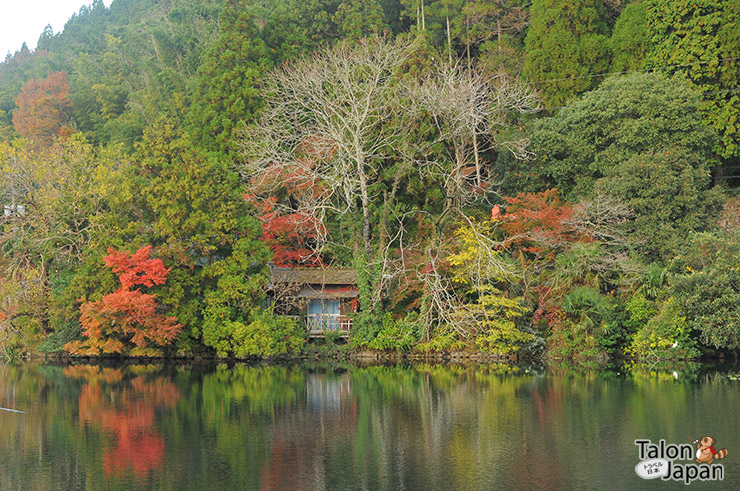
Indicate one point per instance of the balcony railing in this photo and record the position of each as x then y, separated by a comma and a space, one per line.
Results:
319, 324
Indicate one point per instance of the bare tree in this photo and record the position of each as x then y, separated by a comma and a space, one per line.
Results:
335, 122
467, 110
326, 116
602, 218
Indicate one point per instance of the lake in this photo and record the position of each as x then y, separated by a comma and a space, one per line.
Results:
334, 426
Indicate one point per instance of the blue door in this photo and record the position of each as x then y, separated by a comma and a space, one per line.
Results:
323, 314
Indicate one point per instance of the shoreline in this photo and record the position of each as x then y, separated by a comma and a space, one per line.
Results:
372, 356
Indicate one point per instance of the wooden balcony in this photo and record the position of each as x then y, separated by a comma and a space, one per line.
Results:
319, 324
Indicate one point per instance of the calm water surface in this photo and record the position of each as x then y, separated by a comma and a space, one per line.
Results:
325, 427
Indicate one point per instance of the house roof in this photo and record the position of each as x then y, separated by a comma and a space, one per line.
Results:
308, 291
312, 276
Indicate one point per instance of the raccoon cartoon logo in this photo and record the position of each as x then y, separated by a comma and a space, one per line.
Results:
664, 460
705, 452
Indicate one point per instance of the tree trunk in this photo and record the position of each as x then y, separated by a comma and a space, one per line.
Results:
365, 197
477, 157
423, 22
44, 318
467, 38
449, 40
498, 42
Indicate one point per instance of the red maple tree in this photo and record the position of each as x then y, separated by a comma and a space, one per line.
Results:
537, 228
43, 109
538, 222
288, 232
126, 316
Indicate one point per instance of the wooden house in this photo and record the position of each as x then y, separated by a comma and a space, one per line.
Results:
325, 297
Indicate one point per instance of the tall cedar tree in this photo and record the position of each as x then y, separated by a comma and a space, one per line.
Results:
191, 209
359, 18
630, 43
228, 79
488, 30
566, 45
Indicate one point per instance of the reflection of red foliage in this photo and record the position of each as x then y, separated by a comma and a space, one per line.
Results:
289, 464
137, 446
128, 313
141, 453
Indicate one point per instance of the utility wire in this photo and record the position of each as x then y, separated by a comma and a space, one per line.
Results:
641, 70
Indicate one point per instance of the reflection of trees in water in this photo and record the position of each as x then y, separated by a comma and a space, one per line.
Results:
278, 427
126, 410
393, 427
301, 437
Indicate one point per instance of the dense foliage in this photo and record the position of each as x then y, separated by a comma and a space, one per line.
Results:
127, 315
505, 176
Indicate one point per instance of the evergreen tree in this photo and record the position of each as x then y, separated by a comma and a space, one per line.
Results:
637, 138
359, 18
227, 80
499, 26
191, 209
566, 46
700, 39
629, 42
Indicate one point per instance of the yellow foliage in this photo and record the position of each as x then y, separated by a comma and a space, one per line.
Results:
480, 266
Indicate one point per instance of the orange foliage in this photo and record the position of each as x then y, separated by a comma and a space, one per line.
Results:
137, 268
289, 234
126, 315
42, 109
537, 227
538, 222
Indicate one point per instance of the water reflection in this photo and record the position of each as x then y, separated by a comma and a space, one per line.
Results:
349, 427
124, 409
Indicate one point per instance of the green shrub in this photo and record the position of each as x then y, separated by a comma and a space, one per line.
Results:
666, 336
69, 331
706, 286
441, 342
399, 334
589, 329
268, 335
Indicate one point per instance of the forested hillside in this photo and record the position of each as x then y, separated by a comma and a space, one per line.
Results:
506, 176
